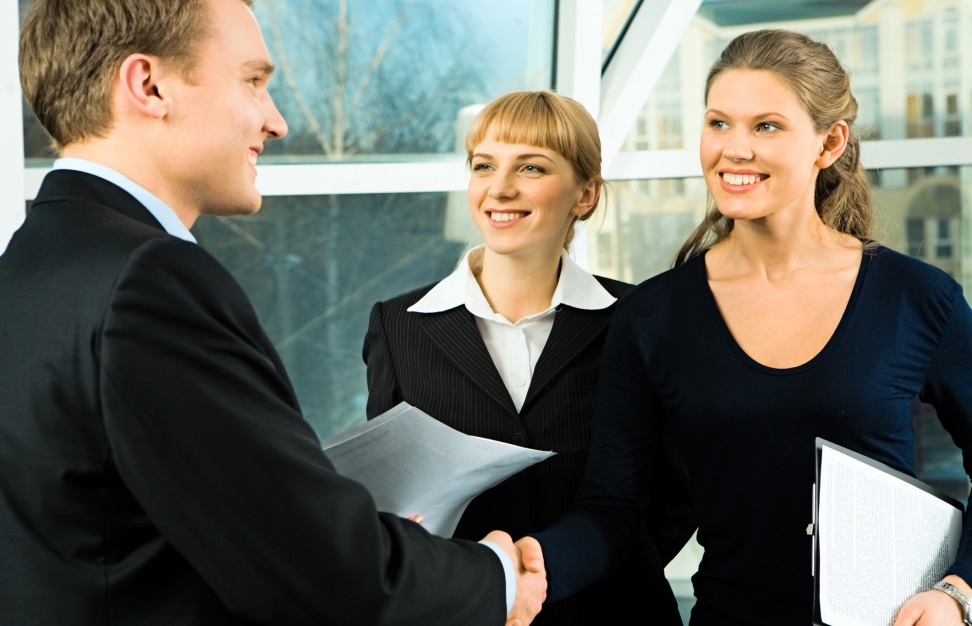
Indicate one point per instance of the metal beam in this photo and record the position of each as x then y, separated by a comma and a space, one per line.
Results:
627, 82
579, 52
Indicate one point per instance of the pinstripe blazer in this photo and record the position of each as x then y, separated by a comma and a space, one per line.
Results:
439, 363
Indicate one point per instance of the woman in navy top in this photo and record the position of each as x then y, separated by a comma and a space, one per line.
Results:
781, 322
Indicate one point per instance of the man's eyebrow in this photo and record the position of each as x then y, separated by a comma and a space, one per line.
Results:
262, 67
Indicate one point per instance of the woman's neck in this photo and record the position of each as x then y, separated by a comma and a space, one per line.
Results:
517, 286
775, 251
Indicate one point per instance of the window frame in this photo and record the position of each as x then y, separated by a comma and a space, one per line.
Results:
614, 95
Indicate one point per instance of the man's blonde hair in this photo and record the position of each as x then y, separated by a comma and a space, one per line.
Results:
70, 52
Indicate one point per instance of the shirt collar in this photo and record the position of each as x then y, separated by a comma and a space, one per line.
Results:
576, 288
159, 210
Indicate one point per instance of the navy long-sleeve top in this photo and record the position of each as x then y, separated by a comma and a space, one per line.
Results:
747, 431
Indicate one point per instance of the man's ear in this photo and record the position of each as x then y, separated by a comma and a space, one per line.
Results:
835, 141
588, 198
138, 85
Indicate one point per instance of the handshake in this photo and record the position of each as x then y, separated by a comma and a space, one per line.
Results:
531, 576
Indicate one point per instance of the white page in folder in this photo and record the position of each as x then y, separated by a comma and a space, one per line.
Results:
412, 463
881, 541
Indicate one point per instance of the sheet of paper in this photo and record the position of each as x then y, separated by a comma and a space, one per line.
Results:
881, 540
413, 463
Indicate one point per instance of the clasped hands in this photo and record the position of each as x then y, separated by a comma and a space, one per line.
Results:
531, 576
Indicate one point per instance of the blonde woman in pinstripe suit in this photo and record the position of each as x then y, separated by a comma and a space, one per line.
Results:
508, 346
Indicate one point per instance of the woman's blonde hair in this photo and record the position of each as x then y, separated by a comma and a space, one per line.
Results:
546, 120
814, 74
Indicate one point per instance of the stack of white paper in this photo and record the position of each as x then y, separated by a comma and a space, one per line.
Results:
882, 537
412, 463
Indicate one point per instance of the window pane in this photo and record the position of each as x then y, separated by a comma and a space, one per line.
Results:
313, 266
362, 78
358, 79
920, 211
617, 14
915, 228
907, 66
642, 226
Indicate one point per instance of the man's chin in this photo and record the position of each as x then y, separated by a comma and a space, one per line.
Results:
243, 208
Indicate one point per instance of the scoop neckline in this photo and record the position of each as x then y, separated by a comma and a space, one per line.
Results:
814, 360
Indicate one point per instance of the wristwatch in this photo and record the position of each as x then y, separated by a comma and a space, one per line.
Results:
965, 602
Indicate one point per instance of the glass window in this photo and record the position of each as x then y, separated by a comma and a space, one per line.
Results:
388, 77
944, 249
915, 229
898, 103
617, 14
953, 116
866, 49
918, 44
359, 80
920, 113
643, 225
950, 23
313, 266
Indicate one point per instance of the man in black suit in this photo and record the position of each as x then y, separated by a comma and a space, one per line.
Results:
154, 465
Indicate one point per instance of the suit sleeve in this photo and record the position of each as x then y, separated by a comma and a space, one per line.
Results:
205, 431
383, 388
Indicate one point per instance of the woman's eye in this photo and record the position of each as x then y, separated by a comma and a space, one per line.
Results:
718, 125
479, 167
534, 169
768, 127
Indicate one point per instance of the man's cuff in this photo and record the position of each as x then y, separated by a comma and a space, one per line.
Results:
508, 571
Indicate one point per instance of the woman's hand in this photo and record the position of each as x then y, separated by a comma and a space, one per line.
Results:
933, 607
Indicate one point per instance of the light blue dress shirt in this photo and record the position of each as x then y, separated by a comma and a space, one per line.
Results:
160, 210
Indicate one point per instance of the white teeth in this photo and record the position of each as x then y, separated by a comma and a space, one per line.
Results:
252, 158
506, 217
740, 179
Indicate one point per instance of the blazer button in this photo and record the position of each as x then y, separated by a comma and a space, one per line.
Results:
519, 439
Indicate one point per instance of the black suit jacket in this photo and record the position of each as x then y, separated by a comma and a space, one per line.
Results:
154, 464
439, 363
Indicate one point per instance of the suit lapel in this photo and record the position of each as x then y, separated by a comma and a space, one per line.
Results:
572, 332
455, 333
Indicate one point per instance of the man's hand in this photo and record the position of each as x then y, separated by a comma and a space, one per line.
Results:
933, 608
531, 577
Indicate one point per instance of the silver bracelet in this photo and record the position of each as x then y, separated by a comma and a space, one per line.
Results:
964, 601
